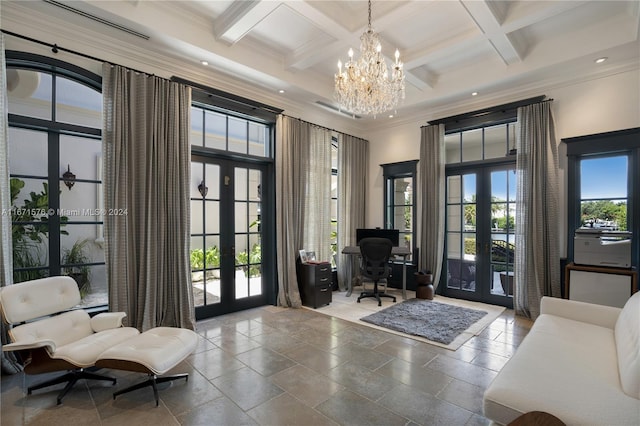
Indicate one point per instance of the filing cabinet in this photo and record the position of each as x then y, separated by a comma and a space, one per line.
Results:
314, 283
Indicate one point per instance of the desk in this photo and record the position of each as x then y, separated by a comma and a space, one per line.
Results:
395, 251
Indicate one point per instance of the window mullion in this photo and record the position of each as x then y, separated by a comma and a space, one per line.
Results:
54, 202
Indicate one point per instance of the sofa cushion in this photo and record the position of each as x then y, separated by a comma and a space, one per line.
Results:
627, 335
567, 368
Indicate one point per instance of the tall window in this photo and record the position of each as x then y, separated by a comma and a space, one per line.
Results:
334, 201
603, 187
400, 202
480, 218
55, 165
604, 192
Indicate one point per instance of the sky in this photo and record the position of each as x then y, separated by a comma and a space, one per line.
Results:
498, 185
604, 177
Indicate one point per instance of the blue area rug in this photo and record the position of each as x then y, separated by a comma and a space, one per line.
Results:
435, 321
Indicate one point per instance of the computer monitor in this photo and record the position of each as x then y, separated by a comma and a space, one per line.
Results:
391, 234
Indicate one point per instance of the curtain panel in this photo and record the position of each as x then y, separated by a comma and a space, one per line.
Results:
146, 177
317, 218
303, 199
290, 148
9, 362
353, 166
431, 199
537, 258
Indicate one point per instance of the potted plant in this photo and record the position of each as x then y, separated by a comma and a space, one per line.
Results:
75, 262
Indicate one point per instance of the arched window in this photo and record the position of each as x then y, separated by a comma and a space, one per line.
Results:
55, 166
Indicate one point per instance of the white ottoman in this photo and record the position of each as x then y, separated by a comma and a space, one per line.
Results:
154, 352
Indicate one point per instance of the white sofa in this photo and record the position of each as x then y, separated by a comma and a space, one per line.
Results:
580, 362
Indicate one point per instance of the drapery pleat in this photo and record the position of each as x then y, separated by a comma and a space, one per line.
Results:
9, 363
353, 165
146, 177
303, 199
431, 196
537, 260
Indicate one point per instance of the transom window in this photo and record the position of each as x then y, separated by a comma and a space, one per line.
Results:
478, 144
221, 131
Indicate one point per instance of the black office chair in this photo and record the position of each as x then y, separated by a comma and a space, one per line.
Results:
375, 265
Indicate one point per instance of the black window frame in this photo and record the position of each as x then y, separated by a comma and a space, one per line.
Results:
53, 130
391, 172
616, 143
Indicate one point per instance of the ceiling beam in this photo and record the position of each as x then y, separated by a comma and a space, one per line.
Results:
485, 18
239, 18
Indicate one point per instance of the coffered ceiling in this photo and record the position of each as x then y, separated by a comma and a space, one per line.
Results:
450, 48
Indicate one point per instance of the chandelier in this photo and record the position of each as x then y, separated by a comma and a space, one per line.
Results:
365, 86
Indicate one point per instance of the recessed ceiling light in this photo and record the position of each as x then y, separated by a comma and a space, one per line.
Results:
204, 63
390, 115
474, 94
601, 60
281, 91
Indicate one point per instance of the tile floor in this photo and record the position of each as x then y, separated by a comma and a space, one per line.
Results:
274, 366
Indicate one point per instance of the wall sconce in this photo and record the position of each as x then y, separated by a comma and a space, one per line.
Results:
69, 178
203, 189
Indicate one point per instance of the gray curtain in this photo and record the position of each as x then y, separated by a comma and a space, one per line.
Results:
9, 363
353, 166
431, 193
317, 209
303, 182
537, 259
290, 147
146, 177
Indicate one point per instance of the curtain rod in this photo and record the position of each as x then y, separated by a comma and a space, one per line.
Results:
324, 127
55, 49
487, 111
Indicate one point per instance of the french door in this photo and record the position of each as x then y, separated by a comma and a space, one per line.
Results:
480, 229
228, 213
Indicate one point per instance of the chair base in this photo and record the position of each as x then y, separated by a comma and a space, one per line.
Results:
70, 378
375, 294
152, 381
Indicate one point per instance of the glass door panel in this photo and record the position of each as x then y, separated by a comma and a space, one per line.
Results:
461, 232
247, 233
226, 236
480, 227
204, 254
503, 209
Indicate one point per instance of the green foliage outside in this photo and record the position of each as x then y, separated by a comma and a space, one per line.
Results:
77, 256
605, 210
199, 258
29, 230
470, 246
408, 201
502, 222
251, 260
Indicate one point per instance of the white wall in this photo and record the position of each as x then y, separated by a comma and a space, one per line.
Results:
595, 106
